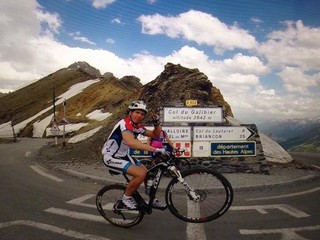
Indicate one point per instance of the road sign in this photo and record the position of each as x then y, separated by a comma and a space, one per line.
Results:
191, 102
201, 149
222, 133
139, 153
192, 115
226, 149
184, 146
176, 133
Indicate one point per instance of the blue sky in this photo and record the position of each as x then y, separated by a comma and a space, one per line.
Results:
262, 55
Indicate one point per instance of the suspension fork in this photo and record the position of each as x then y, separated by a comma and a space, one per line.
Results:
190, 191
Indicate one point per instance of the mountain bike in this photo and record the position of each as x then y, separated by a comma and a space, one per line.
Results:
197, 195
181, 164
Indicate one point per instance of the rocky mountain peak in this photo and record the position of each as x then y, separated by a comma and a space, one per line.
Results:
131, 82
176, 84
86, 67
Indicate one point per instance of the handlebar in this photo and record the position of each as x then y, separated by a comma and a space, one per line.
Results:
176, 152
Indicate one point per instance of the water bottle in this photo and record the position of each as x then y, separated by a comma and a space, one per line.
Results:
149, 183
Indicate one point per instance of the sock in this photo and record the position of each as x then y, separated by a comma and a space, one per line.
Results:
125, 196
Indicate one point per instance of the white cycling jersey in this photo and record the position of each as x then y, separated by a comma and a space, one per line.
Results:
115, 146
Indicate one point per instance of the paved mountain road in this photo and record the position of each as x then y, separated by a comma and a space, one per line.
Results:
41, 204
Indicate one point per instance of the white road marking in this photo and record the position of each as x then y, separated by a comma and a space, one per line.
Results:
77, 215
85, 176
42, 172
80, 201
54, 229
282, 207
287, 233
286, 195
195, 231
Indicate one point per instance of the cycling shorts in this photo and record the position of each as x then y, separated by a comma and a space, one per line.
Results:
120, 164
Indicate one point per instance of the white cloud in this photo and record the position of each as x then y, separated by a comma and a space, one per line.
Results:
51, 21
293, 52
295, 80
199, 27
116, 20
101, 3
152, 1
256, 20
77, 36
244, 65
110, 40
296, 45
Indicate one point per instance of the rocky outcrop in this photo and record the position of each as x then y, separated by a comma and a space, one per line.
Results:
176, 84
131, 82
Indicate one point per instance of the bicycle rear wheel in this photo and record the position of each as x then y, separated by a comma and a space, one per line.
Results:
215, 191
106, 201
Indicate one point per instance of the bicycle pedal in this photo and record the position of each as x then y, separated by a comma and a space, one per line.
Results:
120, 206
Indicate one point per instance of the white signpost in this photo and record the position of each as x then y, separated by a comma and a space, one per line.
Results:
232, 133
201, 149
176, 133
206, 141
192, 115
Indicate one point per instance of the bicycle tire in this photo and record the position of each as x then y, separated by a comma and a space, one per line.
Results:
183, 164
106, 199
216, 196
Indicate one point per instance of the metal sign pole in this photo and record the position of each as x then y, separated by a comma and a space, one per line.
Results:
64, 124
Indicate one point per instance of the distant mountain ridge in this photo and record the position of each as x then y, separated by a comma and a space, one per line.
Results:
300, 135
106, 94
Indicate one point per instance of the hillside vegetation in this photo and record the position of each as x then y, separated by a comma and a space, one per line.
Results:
308, 142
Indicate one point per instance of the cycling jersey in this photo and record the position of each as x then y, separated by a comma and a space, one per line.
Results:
115, 145
158, 142
115, 150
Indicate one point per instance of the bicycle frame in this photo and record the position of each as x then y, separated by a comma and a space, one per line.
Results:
158, 170
205, 204
147, 207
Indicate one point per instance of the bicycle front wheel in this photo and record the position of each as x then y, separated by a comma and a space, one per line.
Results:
107, 204
183, 164
214, 190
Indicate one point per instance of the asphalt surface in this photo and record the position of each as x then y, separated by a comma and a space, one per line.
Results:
284, 175
303, 169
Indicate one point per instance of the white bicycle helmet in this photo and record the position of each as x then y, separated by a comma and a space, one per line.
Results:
138, 105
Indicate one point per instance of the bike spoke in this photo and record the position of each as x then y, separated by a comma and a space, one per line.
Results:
106, 202
215, 196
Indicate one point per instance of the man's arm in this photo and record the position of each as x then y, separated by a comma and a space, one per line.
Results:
135, 143
155, 133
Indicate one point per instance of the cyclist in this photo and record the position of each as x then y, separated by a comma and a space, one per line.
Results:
124, 136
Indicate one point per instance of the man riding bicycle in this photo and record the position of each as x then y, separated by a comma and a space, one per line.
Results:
123, 137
